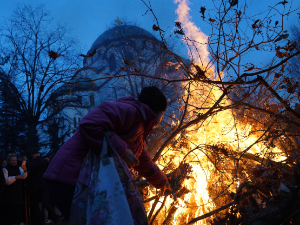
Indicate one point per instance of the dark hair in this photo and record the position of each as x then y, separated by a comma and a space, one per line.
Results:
154, 98
10, 156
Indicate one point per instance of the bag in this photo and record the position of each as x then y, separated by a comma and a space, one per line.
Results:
105, 192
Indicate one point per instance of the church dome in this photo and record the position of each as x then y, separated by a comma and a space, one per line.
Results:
123, 31
128, 34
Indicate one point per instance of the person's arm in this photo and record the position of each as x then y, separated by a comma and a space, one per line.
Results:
10, 179
150, 171
109, 116
23, 173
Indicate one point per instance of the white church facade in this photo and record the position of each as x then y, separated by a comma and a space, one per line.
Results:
120, 62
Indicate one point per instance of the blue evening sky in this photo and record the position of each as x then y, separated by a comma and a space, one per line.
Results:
89, 18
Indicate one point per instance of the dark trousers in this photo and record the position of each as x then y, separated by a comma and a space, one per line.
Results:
2, 212
12, 214
42, 197
61, 195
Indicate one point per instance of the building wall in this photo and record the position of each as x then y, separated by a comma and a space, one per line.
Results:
121, 67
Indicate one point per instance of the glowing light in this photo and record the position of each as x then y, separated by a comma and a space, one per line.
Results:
219, 129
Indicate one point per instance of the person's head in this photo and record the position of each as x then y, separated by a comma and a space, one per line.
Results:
12, 160
154, 98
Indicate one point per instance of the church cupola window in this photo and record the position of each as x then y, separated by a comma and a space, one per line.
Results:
92, 100
79, 100
112, 63
75, 122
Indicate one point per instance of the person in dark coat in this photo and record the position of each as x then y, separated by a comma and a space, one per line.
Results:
13, 198
37, 166
128, 121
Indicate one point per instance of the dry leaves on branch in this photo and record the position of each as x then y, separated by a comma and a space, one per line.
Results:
249, 68
277, 75
291, 46
178, 176
280, 54
178, 24
283, 36
200, 75
233, 2
156, 28
53, 55
283, 2
181, 32
239, 14
90, 55
254, 25
202, 11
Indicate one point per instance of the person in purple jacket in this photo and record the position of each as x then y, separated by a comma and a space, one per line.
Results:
128, 121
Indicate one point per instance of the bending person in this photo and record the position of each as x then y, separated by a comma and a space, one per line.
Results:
128, 121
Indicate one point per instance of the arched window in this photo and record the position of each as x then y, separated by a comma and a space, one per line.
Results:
92, 100
75, 122
79, 99
112, 63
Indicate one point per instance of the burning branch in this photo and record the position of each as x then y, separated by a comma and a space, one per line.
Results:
210, 213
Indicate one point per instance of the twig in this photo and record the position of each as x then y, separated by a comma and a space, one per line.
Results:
152, 208
186, 105
210, 213
170, 215
288, 108
195, 121
270, 68
160, 208
150, 199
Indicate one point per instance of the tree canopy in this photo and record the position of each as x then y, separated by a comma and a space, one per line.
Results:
29, 70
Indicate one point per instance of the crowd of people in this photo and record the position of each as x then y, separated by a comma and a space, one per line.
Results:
23, 193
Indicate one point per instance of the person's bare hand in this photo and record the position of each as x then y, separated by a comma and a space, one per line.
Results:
130, 158
18, 177
23, 167
166, 190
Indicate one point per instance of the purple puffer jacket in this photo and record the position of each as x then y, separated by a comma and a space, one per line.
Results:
129, 122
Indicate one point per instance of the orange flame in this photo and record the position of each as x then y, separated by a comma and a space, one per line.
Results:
196, 39
217, 130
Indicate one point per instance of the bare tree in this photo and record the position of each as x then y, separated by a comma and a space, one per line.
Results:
30, 44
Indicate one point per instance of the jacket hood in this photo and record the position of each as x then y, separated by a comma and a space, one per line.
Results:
149, 117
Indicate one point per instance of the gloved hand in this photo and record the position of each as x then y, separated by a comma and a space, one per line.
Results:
166, 190
130, 158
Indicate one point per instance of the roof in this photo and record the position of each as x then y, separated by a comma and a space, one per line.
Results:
123, 31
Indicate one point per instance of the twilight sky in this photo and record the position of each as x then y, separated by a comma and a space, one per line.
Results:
89, 18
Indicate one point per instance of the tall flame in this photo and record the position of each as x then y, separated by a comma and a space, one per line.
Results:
220, 128
197, 40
